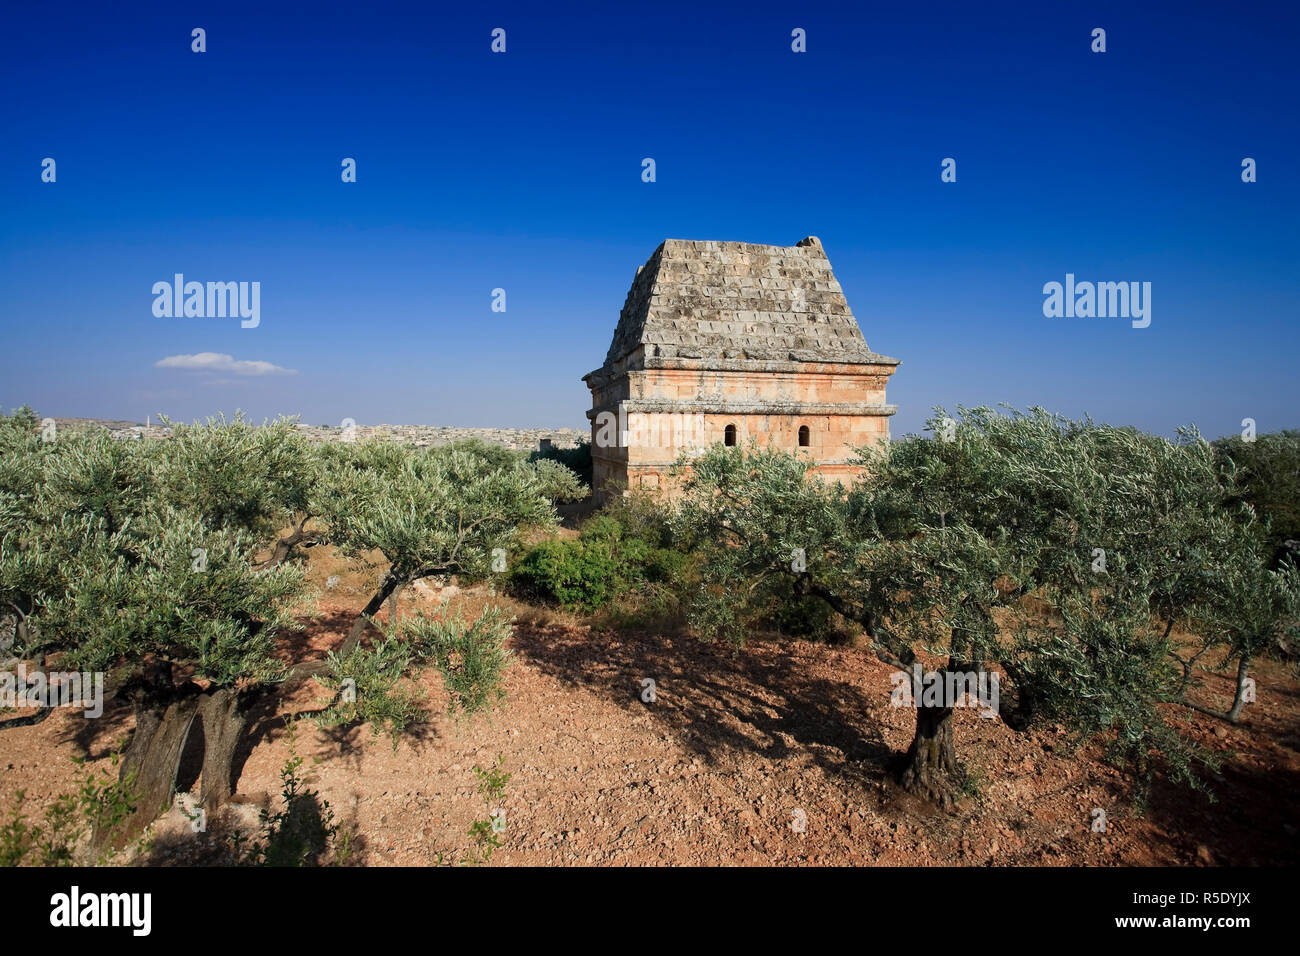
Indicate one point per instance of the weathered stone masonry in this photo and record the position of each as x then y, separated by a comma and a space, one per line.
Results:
718, 334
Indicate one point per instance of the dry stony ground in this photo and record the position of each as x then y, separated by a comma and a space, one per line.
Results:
713, 771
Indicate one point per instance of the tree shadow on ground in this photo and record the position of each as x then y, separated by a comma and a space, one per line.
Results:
301, 839
715, 701
317, 635
574, 513
343, 742
103, 736
1244, 817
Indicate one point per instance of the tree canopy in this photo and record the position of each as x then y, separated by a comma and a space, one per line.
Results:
1062, 553
173, 564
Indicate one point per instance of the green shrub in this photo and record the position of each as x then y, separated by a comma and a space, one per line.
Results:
602, 566
577, 574
576, 459
601, 528
472, 656
641, 515
625, 553
559, 483
665, 566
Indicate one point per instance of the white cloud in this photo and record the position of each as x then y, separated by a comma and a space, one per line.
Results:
219, 362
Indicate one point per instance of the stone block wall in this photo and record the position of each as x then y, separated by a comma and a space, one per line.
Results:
652, 413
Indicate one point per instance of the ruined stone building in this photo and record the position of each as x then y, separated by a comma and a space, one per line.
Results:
732, 342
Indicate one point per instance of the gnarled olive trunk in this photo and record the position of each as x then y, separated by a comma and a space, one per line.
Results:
930, 767
224, 714
163, 715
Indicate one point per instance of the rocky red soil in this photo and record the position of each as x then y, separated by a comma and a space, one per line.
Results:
737, 748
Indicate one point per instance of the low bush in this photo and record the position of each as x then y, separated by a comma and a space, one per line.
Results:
371, 684
559, 483
603, 564
577, 574
577, 459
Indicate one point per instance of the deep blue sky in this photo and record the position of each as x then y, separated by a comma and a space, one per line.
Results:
522, 171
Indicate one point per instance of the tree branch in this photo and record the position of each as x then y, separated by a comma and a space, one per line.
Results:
284, 546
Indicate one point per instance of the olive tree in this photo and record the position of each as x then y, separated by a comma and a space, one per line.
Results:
159, 562
1027, 543
114, 563
429, 512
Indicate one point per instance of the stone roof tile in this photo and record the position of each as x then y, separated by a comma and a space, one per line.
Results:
709, 295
